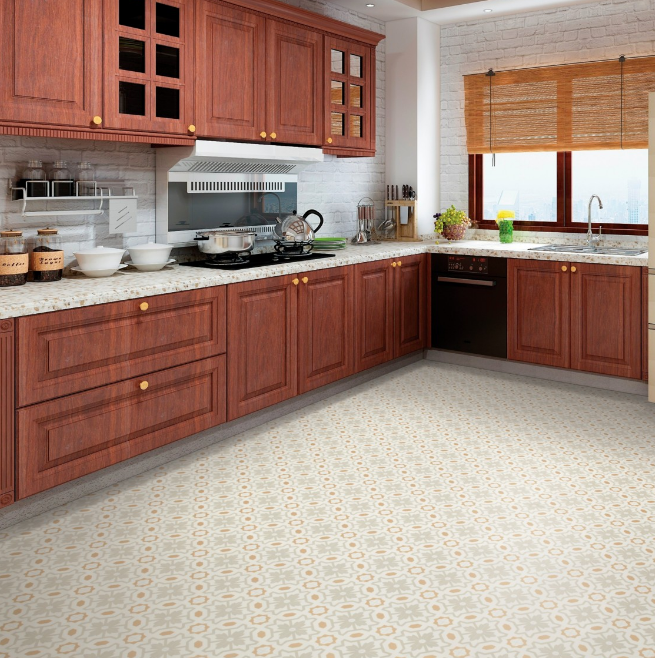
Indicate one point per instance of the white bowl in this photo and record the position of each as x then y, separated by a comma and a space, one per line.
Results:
149, 267
150, 253
99, 258
96, 274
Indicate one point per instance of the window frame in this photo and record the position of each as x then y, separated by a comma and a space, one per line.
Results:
564, 222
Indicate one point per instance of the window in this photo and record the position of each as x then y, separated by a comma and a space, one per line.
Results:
551, 191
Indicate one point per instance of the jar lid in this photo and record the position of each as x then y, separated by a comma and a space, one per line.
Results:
60, 164
11, 234
47, 231
85, 165
35, 163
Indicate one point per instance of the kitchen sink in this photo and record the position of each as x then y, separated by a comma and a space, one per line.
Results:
585, 249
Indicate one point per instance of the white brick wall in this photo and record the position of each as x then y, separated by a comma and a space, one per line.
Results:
333, 188
601, 30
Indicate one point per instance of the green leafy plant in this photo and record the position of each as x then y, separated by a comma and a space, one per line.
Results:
451, 217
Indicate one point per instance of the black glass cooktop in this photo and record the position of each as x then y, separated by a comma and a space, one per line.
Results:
256, 260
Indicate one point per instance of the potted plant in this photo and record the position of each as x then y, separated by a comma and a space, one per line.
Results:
452, 223
505, 221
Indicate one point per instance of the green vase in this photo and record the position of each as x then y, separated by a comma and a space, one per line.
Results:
506, 227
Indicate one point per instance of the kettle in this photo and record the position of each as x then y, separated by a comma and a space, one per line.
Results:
292, 228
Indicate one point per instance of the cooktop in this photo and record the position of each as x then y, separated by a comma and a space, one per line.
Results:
255, 260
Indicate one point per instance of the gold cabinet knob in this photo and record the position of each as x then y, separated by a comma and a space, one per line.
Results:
400, 263
564, 268
273, 135
191, 128
574, 269
262, 134
143, 385
97, 120
394, 264
305, 279
143, 306
296, 282
329, 140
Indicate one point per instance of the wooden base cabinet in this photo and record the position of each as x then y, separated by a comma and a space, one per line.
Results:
410, 303
6, 412
576, 315
64, 439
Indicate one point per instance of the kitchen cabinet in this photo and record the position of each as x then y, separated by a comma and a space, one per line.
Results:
63, 439
230, 72
350, 97
606, 319
325, 327
51, 64
538, 312
410, 303
6, 412
576, 315
644, 323
70, 351
149, 68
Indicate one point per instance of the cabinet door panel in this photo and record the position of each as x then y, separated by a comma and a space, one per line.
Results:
538, 312
410, 302
6, 412
374, 314
644, 323
294, 79
50, 68
262, 350
230, 64
64, 439
70, 351
606, 320
325, 328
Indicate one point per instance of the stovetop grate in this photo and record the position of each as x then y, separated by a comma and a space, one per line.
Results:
257, 260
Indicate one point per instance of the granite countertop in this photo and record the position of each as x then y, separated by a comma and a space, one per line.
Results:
78, 290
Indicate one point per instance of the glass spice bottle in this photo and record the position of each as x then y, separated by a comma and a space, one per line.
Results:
86, 179
14, 260
34, 179
47, 258
61, 180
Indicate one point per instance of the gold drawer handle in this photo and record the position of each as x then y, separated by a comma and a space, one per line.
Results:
564, 268
296, 282
97, 120
262, 134
273, 135
143, 306
305, 279
143, 385
574, 269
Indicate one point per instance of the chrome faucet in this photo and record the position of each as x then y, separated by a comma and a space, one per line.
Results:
591, 241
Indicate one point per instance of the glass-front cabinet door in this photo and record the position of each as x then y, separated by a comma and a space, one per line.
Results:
350, 81
149, 76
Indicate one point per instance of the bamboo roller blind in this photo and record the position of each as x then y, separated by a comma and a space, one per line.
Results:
573, 107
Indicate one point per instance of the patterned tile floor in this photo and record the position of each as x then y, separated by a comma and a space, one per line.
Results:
438, 511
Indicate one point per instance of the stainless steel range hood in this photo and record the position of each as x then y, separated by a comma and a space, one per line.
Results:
217, 168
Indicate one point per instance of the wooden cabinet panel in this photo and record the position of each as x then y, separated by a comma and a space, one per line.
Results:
538, 312
606, 319
325, 327
6, 412
374, 316
60, 440
230, 69
294, 79
262, 344
410, 302
70, 351
50, 68
644, 323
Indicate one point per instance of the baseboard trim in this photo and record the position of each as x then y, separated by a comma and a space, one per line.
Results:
112, 475
618, 384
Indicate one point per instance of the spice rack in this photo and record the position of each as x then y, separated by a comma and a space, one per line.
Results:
100, 191
404, 232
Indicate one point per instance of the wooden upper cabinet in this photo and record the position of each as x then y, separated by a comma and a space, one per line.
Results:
51, 62
350, 96
294, 84
606, 319
148, 65
538, 312
230, 72
410, 302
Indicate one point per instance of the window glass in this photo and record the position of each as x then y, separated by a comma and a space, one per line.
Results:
336, 61
132, 13
525, 183
619, 178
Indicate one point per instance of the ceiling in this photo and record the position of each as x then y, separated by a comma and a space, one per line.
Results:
449, 11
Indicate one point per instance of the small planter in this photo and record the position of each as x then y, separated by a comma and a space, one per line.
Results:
506, 230
454, 231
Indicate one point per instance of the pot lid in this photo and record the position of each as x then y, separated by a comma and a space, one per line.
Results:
100, 250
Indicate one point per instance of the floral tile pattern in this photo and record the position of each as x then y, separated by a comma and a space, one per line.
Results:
438, 511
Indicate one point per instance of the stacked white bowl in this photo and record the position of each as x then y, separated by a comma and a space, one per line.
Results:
151, 256
99, 261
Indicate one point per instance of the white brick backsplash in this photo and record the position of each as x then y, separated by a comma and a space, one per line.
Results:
333, 187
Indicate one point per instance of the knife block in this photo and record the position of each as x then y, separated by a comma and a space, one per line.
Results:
404, 232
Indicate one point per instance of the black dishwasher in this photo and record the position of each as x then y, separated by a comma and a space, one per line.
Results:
469, 304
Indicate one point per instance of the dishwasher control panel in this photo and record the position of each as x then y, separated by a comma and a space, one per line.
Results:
468, 264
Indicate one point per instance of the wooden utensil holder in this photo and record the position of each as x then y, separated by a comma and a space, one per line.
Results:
405, 232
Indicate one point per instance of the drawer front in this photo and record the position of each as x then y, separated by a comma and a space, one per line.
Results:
71, 351
60, 440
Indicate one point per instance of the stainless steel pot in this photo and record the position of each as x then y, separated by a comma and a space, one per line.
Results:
225, 242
